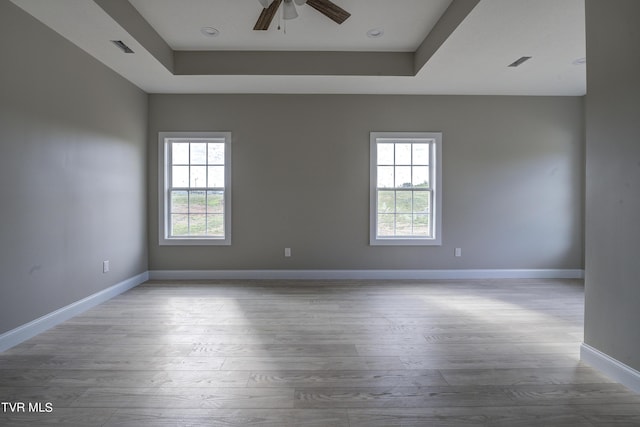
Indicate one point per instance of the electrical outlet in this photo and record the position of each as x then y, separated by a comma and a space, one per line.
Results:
287, 252
458, 252
105, 266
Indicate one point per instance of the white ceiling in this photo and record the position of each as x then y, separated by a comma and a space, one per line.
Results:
473, 60
405, 22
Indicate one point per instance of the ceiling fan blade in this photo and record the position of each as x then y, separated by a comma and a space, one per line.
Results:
265, 18
330, 10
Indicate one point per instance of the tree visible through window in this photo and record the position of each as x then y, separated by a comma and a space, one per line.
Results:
405, 188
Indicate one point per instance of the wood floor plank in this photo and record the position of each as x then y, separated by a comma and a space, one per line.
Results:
274, 350
185, 398
312, 363
172, 339
229, 418
59, 396
417, 397
345, 378
17, 361
26, 377
524, 376
517, 416
498, 337
577, 394
81, 350
400, 397
472, 361
428, 349
133, 363
122, 378
615, 415
76, 417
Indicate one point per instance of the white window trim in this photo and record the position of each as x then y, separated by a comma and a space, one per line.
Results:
163, 187
374, 240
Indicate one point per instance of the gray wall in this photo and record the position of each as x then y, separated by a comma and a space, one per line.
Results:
612, 320
513, 180
73, 172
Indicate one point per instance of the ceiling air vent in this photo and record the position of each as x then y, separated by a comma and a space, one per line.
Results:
121, 45
518, 62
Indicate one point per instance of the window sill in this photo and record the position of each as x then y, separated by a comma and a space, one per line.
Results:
194, 242
405, 242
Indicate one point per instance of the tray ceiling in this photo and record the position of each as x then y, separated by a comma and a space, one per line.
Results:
449, 47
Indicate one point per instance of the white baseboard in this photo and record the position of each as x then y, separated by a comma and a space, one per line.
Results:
28, 330
611, 367
362, 274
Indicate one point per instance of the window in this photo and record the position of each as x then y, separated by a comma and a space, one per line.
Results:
195, 188
405, 188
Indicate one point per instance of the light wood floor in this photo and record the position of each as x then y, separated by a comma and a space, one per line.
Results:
488, 353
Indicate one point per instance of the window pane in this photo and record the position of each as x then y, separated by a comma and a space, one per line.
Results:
194, 198
386, 225
215, 154
215, 225
180, 153
179, 202
421, 176
421, 227
403, 205
403, 176
386, 201
403, 224
215, 202
198, 178
385, 176
199, 153
179, 225
197, 224
197, 202
385, 154
404, 201
216, 176
403, 154
421, 201
421, 154
180, 176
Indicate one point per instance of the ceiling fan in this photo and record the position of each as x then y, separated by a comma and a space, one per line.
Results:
270, 7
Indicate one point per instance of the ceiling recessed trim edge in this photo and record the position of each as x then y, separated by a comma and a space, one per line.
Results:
286, 63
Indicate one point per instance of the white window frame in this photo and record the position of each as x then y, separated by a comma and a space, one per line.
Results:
435, 171
164, 177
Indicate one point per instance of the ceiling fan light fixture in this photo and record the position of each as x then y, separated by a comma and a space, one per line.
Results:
289, 10
325, 7
265, 3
